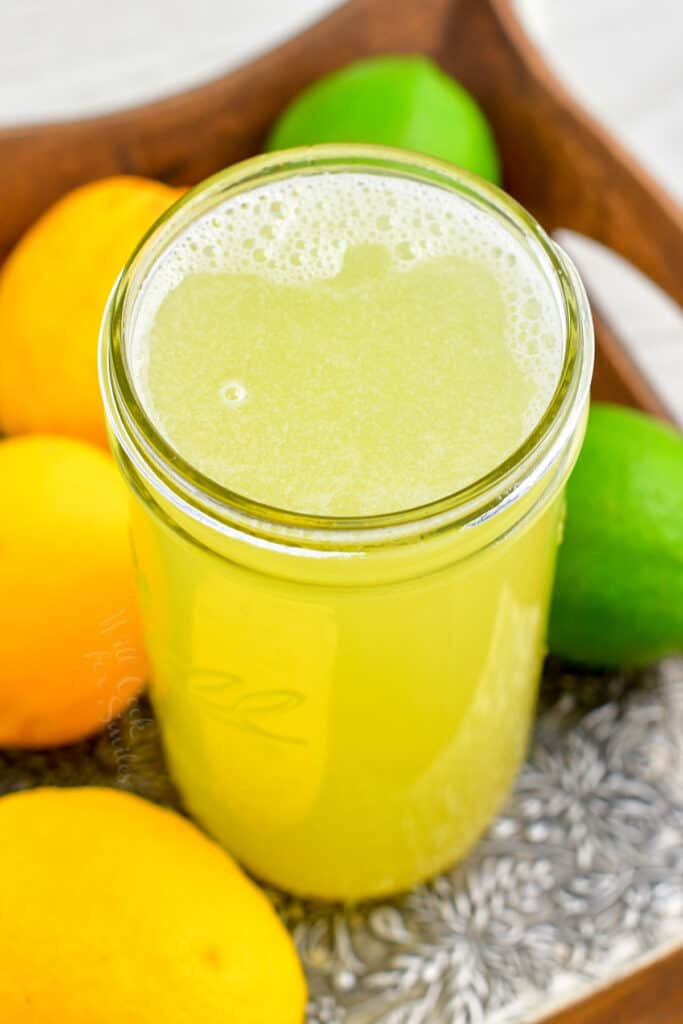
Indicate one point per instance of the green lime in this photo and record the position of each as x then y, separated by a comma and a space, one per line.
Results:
618, 596
406, 102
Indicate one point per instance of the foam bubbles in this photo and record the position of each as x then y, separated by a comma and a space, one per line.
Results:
299, 230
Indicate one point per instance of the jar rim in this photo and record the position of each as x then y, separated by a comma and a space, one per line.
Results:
220, 508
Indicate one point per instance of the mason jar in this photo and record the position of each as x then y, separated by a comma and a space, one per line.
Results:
344, 702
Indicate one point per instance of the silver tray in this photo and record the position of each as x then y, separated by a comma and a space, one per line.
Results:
577, 883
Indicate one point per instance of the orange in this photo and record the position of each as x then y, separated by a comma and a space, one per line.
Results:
53, 290
71, 653
114, 911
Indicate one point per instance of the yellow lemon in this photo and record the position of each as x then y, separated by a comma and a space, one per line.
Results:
71, 652
53, 290
115, 910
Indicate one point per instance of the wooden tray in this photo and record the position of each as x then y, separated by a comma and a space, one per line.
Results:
556, 160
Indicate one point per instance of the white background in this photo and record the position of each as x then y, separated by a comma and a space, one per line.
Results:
622, 58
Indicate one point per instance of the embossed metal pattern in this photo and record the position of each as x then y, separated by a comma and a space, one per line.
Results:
578, 881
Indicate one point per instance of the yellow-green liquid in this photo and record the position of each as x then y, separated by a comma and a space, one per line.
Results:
340, 346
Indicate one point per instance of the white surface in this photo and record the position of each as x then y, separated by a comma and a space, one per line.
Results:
70, 58
623, 59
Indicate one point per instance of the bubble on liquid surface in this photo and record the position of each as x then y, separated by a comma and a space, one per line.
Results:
232, 393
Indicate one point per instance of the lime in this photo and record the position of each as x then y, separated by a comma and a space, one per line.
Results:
618, 596
406, 102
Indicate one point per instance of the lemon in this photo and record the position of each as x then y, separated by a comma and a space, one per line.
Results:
407, 102
618, 596
114, 910
53, 290
71, 650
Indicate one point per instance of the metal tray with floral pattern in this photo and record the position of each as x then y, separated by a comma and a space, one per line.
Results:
579, 881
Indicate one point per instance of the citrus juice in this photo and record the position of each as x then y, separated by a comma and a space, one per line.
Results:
331, 355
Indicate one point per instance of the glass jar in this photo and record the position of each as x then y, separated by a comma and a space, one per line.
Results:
344, 703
